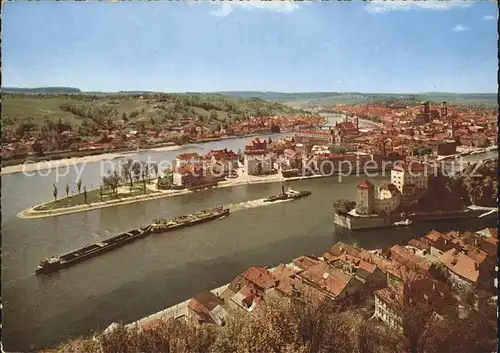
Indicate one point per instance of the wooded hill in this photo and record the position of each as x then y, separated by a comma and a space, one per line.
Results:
100, 110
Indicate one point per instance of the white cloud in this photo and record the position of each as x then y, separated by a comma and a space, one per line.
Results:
460, 28
490, 17
226, 8
380, 6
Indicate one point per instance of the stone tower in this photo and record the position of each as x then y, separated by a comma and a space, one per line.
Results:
450, 132
444, 110
366, 196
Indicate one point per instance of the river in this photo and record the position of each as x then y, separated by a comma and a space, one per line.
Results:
159, 271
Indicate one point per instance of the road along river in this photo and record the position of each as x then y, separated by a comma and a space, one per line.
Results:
159, 271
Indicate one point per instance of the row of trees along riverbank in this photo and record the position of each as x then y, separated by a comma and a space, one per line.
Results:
133, 176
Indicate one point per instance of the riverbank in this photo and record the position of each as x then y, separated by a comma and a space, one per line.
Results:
31, 166
467, 152
353, 221
242, 179
28, 167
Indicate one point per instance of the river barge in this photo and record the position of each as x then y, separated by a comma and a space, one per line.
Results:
54, 264
288, 195
162, 226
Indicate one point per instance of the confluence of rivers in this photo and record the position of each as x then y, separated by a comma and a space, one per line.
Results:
162, 270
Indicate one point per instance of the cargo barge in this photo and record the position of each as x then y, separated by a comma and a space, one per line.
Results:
288, 195
53, 264
162, 226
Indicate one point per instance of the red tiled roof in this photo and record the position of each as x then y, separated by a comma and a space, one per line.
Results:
207, 300
418, 244
326, 277
313, 132
477, 255
409, 167
461, 264
346, 126
433, 236
369, 267
188, 168
259, 276
407, 258
188, 156
306, 261
365, 184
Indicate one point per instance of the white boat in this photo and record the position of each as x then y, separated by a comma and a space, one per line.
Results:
406, 222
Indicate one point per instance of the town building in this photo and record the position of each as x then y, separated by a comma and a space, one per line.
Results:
394, 304
462, 270
345, 132
333, 282
189, 174
258, 159
387, 201
222, 162
314, 136
206, 307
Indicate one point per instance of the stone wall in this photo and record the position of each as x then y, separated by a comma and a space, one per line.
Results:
356, 223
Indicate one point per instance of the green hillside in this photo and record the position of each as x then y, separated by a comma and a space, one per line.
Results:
333, 98
98, 110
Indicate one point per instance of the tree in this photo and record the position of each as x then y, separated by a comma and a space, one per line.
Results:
101, 192
37, 148
154, 166
85, 194
343, 206
67, 190
79, 185
127, 171
136, 170
112, 180
54, 192
144, 173
213, 115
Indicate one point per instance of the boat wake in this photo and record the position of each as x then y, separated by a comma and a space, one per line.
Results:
253, 204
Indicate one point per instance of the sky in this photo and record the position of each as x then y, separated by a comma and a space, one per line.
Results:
370, 47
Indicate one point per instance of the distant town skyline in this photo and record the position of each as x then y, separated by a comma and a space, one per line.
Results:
375, 47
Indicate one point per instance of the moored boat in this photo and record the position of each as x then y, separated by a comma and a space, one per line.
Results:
406, 222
